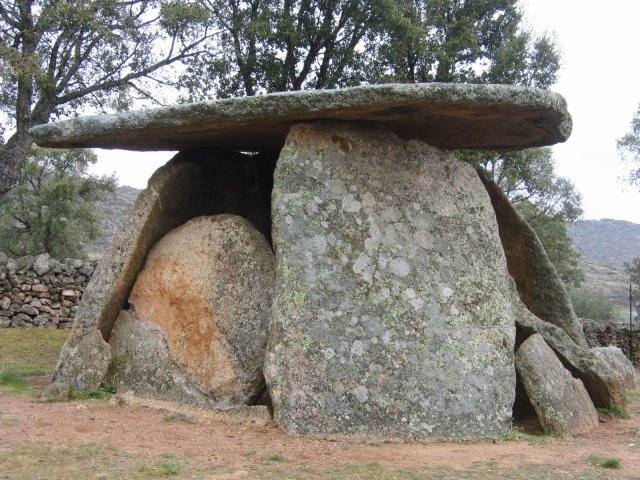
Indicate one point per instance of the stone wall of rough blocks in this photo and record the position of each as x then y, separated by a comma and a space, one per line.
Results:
600, 334
41, 291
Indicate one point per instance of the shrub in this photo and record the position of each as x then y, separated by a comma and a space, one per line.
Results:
593, 306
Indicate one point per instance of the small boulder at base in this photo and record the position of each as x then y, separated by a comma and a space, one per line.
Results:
619, 362
207, 287
606, 386
561, 402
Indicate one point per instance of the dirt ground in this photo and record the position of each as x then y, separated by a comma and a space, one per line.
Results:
128, 438
106, 439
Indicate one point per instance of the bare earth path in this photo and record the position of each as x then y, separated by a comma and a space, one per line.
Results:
129, 441
102, 439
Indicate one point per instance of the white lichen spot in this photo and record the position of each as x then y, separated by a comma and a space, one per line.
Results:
386, 337
328, 353
368, 200
362, 266
399, 267
447, 291
417, 303
357, 348
350, 204
361, 393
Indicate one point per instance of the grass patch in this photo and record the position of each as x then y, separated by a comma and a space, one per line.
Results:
31, 349
605, 462
27, 352
12, 382
159, 470
614, 411
518, 434
105, 390
177, 417
275, 457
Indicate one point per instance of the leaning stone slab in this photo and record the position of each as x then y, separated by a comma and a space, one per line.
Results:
539, 285
619, 362
444, 115
84, 359
606, 387
193, 183
201, 309
392, 315
561, 402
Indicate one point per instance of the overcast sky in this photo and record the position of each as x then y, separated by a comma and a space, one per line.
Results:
599, 78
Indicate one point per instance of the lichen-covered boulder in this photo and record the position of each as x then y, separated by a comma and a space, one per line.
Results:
539, 285
606, 386
193, 183
617, 360
561, 402
392, 314
206, 288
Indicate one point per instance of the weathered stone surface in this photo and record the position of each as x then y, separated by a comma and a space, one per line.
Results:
606, 386
539, 285
207, 288
42, 264
392, 315
141, 362
83, 361
193, 183
444, 115
560, 401
620, 363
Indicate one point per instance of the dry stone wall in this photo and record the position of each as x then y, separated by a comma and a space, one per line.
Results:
601, 334
41, 291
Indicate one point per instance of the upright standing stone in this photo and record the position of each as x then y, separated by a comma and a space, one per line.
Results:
560, 401
392, 313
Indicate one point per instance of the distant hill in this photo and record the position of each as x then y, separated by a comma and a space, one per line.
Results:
607, 242
112, 213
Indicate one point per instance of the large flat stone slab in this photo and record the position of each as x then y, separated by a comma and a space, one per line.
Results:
443, 115
392, 313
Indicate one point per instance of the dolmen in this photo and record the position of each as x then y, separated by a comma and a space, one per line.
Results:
330, 248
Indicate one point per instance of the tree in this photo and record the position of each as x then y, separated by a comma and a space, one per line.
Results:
51, 209
633, 269
278, 45
629, 148
57, 56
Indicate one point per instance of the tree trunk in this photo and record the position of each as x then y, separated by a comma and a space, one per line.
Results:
12, 157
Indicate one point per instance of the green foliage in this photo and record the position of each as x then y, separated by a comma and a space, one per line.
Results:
59, 56
633, 269
629, 148
268, 45
605, 462
613, 411
52, 206
546, 201
105, 390
592, 306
